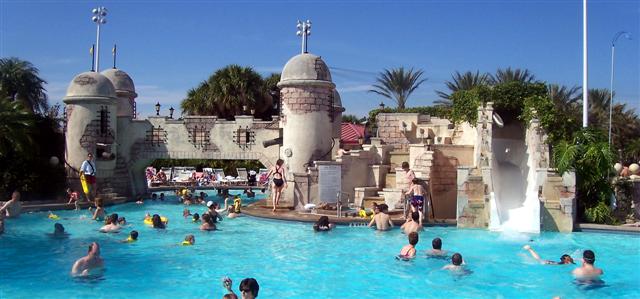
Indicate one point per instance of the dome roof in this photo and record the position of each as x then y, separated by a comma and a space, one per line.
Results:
305, 67
90, 85
120, 79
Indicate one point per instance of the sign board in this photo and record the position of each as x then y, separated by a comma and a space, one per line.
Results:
329, 182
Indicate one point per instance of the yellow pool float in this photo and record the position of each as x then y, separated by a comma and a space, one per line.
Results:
53, 216
148, 221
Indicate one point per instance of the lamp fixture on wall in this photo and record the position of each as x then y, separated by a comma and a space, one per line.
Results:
171, 112
158, 109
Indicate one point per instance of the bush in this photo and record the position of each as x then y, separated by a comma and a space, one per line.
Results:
599, 214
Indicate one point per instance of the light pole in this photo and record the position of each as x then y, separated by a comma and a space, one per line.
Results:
585, 74
100, 18
304, 30
626, 35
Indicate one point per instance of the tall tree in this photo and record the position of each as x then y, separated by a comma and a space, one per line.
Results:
398, 84
508, 75
461, 81
19, 81
16, 128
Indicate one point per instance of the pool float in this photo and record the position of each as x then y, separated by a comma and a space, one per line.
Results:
84, 183
130, 240
186, 243
237, 203
53, 216
148, 221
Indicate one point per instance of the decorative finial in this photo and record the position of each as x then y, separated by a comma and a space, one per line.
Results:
114, 51
304, 30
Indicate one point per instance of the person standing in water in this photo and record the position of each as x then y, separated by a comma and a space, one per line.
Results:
279, 182
587, 272
13, 207
87, 264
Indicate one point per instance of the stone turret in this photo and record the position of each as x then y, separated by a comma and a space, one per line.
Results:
308, 106
91, 107
125, 91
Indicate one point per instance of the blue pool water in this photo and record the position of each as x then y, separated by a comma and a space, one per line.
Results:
289, 260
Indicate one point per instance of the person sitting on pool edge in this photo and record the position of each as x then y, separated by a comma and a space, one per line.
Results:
587, 272
413, 224
409, 251
565, 259
189, 240
133, 236
111, 225
207, 223
323, 225
437, 251
381, 219
90, 263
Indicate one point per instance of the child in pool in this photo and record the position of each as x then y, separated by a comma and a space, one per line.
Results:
189, 240
409, 250
133, 236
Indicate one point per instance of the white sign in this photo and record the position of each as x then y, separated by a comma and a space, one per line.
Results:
329, 182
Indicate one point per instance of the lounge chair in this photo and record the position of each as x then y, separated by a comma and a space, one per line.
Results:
220, 177
242, 178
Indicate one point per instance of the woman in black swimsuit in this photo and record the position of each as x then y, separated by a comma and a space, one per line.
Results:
279, 182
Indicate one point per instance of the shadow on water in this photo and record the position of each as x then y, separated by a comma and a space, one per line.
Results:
590, 285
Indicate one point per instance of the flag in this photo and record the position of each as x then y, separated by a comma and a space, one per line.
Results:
113, 51
91, 50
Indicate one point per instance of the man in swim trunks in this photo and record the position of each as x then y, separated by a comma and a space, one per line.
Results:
13, 207
88, 168
588, 272
417, 201
85, 265
565, 259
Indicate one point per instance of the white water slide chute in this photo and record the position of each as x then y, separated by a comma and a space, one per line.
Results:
514, 201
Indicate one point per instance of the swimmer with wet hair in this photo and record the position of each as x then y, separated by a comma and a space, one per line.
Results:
196, 217
437, 251
156, 220
186, 213
249, 288
111, 224
189, 240
58, 231
133, 236
90, 263
409, 251
565, 259
456, 263
588, 272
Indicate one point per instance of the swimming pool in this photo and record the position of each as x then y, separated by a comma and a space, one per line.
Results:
289, 260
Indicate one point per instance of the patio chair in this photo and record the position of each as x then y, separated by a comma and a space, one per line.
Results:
242, 178
220, 177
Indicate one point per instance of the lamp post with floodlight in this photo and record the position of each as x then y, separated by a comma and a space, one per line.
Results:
304, 30
100, 18
626, 35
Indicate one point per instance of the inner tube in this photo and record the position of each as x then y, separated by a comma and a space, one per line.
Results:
148, 221
498, 120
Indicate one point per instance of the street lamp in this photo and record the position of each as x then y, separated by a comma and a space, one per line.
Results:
171, 112
158, 109
100, 18
381, 105
304, 30
626, 35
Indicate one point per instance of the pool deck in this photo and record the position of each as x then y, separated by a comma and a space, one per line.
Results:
263, 209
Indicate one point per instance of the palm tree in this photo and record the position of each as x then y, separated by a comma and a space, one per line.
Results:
16, 125
198, 101
19, 81
464, 81
235, 86
398, 84
508, 75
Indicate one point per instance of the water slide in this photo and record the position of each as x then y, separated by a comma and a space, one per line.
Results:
514, 201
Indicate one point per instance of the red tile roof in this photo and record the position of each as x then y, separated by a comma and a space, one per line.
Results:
350, 133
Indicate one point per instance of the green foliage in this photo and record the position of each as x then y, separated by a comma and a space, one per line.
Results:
19, 81
461, 81
16, 127
590, 157
229, 89
466, 103
599, 213
353, 119
398, 84
229, 166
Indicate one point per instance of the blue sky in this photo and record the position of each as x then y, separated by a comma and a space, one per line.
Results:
170, 46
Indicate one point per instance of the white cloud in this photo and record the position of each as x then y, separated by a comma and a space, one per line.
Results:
354, 88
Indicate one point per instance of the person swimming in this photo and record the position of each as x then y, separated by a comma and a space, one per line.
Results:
195, 218
157, 222
111, 225
133, 236
99, 213
413, 224
323, 225
409, 250
565, 259
457, 265
186, 213
189, 240
207, 223
437, 251
58, 231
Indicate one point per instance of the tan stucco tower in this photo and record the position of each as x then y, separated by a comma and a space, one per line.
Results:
307, 94
91, 109
125, 91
